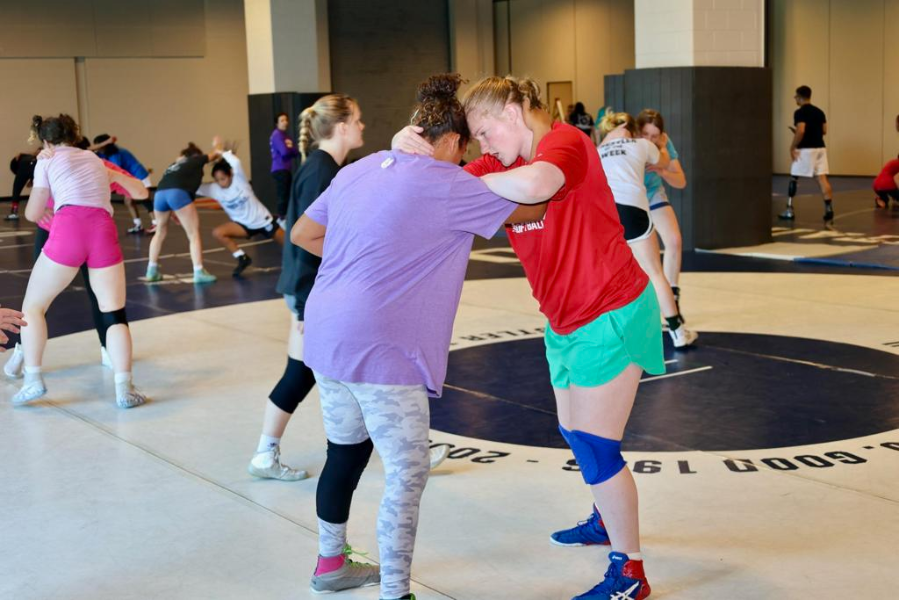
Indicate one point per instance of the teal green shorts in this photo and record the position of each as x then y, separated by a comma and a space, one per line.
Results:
596, 353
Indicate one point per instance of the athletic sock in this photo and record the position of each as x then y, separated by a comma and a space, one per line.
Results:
136, 220
123, 383
673, 322
33, 376
635, 556
827, 202
327, 564
238, 253
267, 443
198, 269
152, 266
332, 539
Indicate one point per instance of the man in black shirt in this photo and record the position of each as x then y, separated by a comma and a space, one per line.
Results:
22, 166
808, 155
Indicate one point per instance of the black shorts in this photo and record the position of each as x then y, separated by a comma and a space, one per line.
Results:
636, 222
267, 232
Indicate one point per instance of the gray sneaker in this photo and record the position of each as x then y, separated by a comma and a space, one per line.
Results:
351, 575
267, 465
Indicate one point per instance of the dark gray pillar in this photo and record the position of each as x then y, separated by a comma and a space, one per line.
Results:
720, 120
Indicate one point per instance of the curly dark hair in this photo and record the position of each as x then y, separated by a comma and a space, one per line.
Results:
55, 130
438, 111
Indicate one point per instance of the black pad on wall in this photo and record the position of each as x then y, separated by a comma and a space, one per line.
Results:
720, 120
263, 108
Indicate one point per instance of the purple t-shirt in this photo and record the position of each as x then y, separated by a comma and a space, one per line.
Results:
399, 232
281, 154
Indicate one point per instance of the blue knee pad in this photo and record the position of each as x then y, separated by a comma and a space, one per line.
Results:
599, 458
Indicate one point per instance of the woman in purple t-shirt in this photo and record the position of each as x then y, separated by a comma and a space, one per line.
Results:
379, 319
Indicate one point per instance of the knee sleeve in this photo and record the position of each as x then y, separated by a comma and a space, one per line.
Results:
116, 317
599, 458
792, 187
293, 387
340, 476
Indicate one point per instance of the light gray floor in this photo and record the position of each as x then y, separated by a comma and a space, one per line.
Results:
99, 503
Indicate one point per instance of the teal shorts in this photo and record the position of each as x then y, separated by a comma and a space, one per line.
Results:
596, 353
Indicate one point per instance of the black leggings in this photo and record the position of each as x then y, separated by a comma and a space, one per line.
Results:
283, 189
40, 238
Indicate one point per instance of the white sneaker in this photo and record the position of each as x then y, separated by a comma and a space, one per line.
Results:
267, 465
682, 337
14, 364
105, 358
130, 399
29, 392
438, 455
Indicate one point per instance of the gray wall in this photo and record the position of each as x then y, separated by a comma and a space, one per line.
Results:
154, 104
380, 52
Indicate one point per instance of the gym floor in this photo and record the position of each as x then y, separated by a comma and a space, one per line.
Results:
766, 457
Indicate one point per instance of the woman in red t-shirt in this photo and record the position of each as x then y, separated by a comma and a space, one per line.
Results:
603, 329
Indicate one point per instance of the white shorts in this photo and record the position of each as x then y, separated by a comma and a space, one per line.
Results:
812, 162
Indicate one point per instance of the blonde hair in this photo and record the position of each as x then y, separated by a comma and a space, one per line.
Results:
317, 121
612, 120
493, 93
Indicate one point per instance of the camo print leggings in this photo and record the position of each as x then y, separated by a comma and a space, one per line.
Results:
396, 418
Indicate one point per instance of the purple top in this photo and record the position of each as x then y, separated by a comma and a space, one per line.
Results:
399, 232
281, 154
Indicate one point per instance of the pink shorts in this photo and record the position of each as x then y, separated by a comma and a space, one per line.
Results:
83, 234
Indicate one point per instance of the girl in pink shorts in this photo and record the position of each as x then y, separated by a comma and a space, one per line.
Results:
82, 232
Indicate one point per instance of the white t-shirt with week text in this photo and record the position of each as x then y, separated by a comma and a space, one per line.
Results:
624, 160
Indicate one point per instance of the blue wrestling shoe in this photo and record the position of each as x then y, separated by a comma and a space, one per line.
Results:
589, 532
624, 580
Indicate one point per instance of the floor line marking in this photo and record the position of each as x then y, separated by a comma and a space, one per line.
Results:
222, 487
807, 363
676, 374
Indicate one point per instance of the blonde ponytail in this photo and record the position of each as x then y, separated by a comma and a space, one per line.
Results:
612, 120
317, 122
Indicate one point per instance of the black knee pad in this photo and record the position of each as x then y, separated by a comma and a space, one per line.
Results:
340, 475
116, 317
293, 386
792, 187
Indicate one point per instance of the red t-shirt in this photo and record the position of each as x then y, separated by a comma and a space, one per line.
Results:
576, 259
885, 180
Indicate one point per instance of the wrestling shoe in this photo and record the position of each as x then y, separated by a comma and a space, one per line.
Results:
11, 217
676, 291
153, 275
590, 532
136, 229
204, 276
14, 364
130, 398
828, 217
787, 215
682, 338
624, 580
244, 261
438, 455
267, 465
349, 575
29, 392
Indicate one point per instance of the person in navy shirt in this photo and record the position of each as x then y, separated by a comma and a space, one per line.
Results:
106, 148
283, 153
